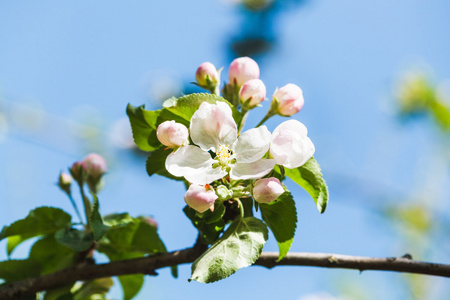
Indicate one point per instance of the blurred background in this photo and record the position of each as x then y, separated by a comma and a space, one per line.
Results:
375, 77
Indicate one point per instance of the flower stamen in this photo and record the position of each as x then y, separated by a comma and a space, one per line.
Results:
223, 155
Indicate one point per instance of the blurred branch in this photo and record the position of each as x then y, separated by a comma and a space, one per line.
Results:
148, 265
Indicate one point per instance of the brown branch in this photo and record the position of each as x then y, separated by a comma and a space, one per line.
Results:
147, 265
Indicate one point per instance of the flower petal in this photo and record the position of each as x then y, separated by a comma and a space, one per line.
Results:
252, 144
213, 124
252, 170
194, 164
290, 146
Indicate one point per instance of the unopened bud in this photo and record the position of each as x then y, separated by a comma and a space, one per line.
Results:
223, 192
78, 171
267, 190
207, 75
172, 134
253, 90
150, 221
290, 100
243, 69
95, 168
95, 165
200, 197
64, 182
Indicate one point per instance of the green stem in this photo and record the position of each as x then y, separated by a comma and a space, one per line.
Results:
241, 207
75, 208
267, 117
244, 113
87, 205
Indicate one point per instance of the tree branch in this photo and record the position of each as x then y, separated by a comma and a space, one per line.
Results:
147, 265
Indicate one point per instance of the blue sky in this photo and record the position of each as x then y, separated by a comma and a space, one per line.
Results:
69, 64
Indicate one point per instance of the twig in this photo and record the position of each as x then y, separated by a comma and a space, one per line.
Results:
30, 286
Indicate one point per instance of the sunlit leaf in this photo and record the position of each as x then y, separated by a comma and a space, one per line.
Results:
40, 221
131, 285
143, 125
98, 227
75, 239
239, 247
186, 106
309, 176
281, 217
51, 255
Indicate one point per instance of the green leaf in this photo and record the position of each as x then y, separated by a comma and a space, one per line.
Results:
157, 161
131, 285
98, 228
134, 239
75, 239
51, 255
62, 293
309, 176
94, 289
14, 270
147, 240
281, 217
185, 107
217, 214
143, 125
441, 113
121, 219
239, 247
208, 232
40, 221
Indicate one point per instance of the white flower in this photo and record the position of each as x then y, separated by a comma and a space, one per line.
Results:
290, 146
214, 130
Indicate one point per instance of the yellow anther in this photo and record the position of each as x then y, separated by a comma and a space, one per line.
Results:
223, 154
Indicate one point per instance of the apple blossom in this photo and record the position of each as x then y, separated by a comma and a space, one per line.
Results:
95, 165
149, 220
290, 99
200, 197
172, 134
290, 146
255, 90
78, 171
64, 182
266, 190
213, 129
207, 72
243, 69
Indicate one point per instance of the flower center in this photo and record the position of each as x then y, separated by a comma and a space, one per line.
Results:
223, 154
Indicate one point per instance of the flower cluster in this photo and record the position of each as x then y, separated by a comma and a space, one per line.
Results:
219, 155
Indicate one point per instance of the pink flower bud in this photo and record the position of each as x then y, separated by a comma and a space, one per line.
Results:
267, 190
204, 71
65, 179
64, 182
78, 171
95, 165
290, 99
150, 221
200, 197
243, 69
172, 134
255, 90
